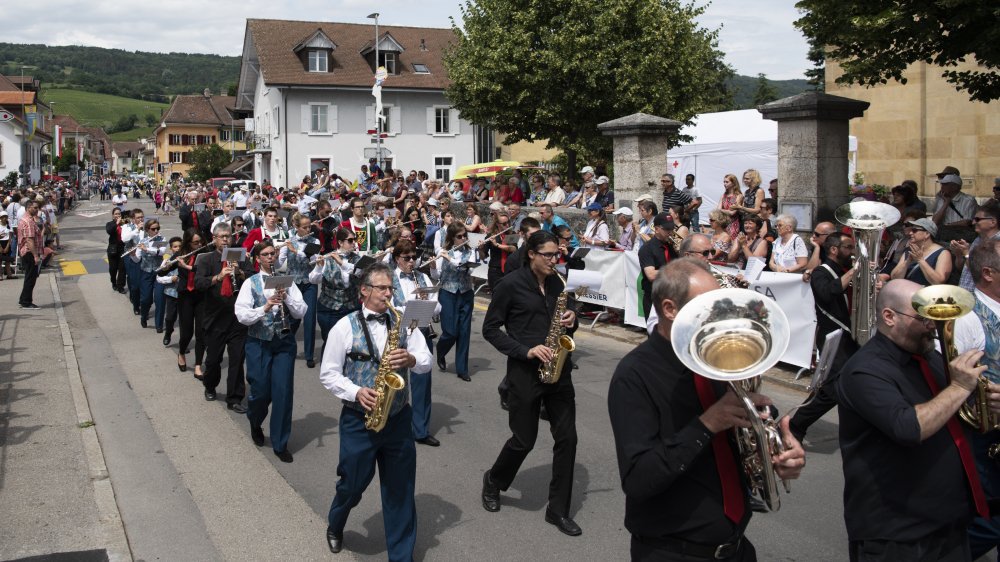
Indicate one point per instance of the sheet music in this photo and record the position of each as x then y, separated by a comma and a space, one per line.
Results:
420, 311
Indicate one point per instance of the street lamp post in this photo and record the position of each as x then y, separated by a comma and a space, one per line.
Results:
378, 118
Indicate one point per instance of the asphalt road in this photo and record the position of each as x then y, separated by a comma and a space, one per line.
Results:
166, 447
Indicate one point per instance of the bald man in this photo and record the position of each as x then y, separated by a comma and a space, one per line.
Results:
817, 238
907, 493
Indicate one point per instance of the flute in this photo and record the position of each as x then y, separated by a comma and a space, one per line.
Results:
498, 233
169, 263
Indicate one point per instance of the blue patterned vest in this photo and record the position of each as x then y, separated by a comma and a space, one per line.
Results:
991, 329
398, 298
170, 289
455, 279
362, 373
267, 328
333, 293
298, 262
150, 261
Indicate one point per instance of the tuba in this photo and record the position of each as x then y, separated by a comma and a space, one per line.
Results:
734, 335
387, 381
868, 219
557, 340
944, 304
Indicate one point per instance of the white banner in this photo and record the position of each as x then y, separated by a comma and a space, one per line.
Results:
633, 291
611, 266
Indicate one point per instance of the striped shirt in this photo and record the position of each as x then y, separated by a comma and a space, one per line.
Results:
674, 198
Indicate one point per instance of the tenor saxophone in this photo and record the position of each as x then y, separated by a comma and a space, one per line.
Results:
387, 381
557, 340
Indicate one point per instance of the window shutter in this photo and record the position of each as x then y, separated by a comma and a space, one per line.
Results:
394, 120
306, 118
370, 118
431, 120
453, 124
331, 116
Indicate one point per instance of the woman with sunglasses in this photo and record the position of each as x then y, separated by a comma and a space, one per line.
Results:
150, 258
338, 287
189, 303
925, 262
294, 258
270, 353
456, 297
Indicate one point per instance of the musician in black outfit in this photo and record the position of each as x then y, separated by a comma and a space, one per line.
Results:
529, 226
223, 332
524, 305
830, 283
654, 254
325, 229
116, 265
194, 219
685, 491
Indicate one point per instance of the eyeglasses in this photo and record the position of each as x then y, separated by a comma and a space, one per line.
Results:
977, 219
920, 319
549, 255
704, 253
154, 228
381, 287
350, 239
359, 207
407, 258
462, 236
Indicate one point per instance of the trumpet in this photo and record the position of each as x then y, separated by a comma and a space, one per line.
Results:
734, 335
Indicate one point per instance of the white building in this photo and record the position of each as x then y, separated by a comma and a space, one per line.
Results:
305, 88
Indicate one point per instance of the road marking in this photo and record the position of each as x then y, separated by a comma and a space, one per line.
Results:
73, 268
481, 307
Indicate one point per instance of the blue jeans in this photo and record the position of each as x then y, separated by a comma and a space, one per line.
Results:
456, 327
393, 452
271, 375
309, 294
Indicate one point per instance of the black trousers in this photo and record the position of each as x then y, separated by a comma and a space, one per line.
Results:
30, 277
192, 324
116, 270
645, 552
231, 341
493, 276
171, 315
950, 544
525, 399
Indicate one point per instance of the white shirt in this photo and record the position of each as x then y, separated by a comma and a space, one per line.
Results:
965, 203
555, 196
5, 231
239, 199
785, 255
408, 286
119, 200
131, 233
597, 231
969, 332
248, 315
340, 342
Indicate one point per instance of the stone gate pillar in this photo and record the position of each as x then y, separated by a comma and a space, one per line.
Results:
640, 154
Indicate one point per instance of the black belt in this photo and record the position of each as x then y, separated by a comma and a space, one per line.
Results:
697, 550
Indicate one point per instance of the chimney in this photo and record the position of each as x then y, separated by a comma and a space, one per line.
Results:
208, 93
423, 45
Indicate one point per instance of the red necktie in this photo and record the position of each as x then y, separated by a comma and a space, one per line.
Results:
503, 256
732, 489
119, 233
190, 283
964, 452
194, 219
227, 286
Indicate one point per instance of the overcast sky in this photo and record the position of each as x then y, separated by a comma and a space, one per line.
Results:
757, 35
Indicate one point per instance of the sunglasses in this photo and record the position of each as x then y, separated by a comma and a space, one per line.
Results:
461, 236
407, 258
977, 219
350, 239
704, 253
154, 228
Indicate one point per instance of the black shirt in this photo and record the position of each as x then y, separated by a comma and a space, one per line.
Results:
665, 458
895, 486
652, 254
829, 295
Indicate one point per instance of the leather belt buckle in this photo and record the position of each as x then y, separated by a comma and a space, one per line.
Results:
727, 550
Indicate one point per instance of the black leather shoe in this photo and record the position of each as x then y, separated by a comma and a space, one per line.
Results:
237, 407
442, 364
564, 524
210, 395
430, 441
465, 378
135, 311
310, 363
159, 330
143, 322
257, 434
284, 456
491, 494
335, 541
166, 340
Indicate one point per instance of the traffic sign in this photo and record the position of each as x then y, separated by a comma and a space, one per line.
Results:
6, 116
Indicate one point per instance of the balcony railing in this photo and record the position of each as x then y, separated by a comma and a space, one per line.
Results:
258, 143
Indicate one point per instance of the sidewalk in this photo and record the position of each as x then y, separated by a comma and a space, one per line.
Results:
54, 488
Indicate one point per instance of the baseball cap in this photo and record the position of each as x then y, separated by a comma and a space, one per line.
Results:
594, 207
432, 202
496, 206
644, 197
664, 220
587, 170
951, 178
602, 180
623, 211
948, 170
926, 224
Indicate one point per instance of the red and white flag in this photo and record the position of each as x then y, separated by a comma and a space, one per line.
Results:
79, 152
57, 141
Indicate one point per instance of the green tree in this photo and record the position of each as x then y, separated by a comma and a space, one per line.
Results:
555, 69
151, 120
875, 40
817, 74
765, 92
207, 161
12, 180
68, 158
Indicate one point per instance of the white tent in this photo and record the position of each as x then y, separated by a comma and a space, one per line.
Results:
729, 142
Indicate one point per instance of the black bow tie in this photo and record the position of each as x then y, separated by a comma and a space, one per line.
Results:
411, 276
380, 318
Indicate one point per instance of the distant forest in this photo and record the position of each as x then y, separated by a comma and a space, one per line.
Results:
158, 76
138, 75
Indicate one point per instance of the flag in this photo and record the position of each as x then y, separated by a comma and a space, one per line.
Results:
57, 141
32, 124
79, 152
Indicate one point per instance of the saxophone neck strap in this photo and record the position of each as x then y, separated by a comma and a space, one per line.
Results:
368, 337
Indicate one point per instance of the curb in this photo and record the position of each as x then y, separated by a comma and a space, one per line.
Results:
107, 508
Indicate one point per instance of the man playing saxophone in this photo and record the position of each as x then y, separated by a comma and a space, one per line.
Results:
351, 359
910, 483
525, 305
685, 492
982, 331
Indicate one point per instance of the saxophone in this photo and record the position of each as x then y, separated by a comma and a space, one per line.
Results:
557, 340
387, 381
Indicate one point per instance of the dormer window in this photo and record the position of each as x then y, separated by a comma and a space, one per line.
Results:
317, 60
388, 60
388, 50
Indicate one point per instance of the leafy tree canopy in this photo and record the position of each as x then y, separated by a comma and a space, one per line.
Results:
207, 161
875, 40
555, 69
765, 92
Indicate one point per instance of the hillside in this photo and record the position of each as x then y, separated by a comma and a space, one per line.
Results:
101, 110
743, 88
